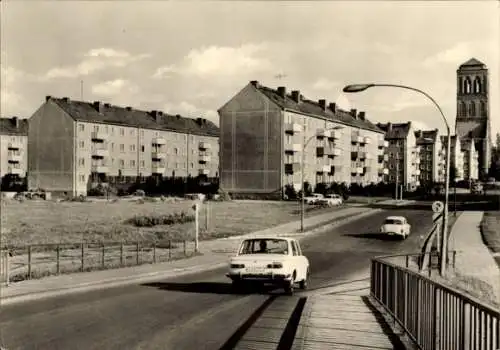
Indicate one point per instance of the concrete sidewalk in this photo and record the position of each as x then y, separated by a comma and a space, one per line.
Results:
473, 258
215, 255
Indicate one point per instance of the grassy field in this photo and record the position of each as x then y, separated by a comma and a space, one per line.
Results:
490, 229
48, 222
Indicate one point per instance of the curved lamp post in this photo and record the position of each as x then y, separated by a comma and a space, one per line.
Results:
302, 164
444, 239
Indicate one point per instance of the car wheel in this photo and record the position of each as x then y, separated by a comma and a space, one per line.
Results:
237, 286
289, 288
303, 283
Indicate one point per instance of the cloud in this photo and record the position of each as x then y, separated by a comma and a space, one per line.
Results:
114, 87
220, 60
457, 53
187, 109
343, 102
324, 84
11, 100
95, 60
419, 125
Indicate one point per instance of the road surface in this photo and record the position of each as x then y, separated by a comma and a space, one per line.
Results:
190, 312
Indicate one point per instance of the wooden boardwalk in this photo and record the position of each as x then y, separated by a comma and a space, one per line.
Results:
341, 321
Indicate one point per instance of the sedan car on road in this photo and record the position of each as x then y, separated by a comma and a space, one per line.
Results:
269, 260
330, 200
396, 226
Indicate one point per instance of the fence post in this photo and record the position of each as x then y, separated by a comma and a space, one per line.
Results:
407, 260
185, 252
121, 254
169, 249
83, 256
137, 253
454, 259
29, 261
154, 252
57, 259
103, 261
7, 268
437, 319
207, 216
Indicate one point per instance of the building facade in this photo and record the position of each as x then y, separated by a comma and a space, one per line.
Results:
457, 157
263, 132
432, 157
13, 146
471, 161
403, 154
473, 121
74, 145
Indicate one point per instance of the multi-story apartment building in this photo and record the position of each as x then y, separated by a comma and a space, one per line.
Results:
403, 154
264, 131
13, 146
73, 144
471, 160
431, 156
457, 156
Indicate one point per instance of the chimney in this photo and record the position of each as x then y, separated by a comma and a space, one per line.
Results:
361, 115
282, 91
156, 115
178, 116
353, 112
322, 104
296, 96
47, 98
65, 99
333, 107
98, 106
128, 108
199, 121
389, 126
107, 105
255, 83
160, 113
15, 121
204, 120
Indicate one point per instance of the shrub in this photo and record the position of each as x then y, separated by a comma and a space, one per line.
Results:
290, 192
155, 220
140, 193
223, 195
321, 187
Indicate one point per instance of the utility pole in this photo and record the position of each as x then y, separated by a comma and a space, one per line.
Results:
302, 170
397, 177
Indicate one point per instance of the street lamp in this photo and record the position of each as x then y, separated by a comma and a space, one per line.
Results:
302, 165
444, 239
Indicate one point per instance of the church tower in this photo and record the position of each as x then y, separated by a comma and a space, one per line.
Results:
473, 113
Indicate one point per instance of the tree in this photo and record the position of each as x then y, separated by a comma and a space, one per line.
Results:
453, 174
494, 170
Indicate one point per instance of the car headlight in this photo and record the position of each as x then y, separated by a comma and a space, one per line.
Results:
237, 266
275, 265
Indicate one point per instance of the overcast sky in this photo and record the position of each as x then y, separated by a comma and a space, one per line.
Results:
191, 57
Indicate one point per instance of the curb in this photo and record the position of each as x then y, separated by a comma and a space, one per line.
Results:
109, 283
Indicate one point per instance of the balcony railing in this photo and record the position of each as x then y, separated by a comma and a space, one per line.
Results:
367, 140
15, 171
100, 152
204, 145
356, 138
323, 168
383, 171
99, 168
291, 168
158, 168
293, 128
333, 152
293, 147
14, 157
383, 144
204, 171
383, 158
98, 136
320, 151
14, 145
204, 159
159, 141
158, 155
356, 170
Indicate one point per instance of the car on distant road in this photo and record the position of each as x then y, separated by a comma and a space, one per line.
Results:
269, 260
330, 200
313, 198
396, 226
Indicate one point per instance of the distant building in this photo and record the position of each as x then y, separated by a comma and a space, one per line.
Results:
473, 121
262, 133
403, 154
457, 156
74, 145
432, 156
471, 161
13, 146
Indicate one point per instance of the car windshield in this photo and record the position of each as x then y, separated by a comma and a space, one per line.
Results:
393, 222
264, 246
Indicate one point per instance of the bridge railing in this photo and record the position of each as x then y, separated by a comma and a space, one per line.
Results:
433, 315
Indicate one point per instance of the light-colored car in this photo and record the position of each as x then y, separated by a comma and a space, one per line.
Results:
396, 226
269, 260
331, 200
313, 198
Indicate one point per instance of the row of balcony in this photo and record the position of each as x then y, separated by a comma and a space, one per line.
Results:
14, 157
14, 146
14, 170
155, 155
100, 136
294, 167
155, 169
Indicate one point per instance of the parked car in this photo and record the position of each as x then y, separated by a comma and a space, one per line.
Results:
330, 200
477, 188
313, 198
269, 260
396, 226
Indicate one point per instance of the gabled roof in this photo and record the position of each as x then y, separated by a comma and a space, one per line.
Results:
395, 131
473, 62
313, 108
8, 126
426, 137
444, 140
126, 116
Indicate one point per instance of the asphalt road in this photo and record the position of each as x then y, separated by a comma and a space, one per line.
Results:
190, 312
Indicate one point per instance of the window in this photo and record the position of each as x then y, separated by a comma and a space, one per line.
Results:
96, 128
132, 132
142, 148
472, 109
112, 146
264, 246
122, 163
122, 132
192, 165
142, 133
81, 127
294, 249
106, 129
176, 165
82, 178
132, 148
143, 164
81, 161
112, 130
122, 147
132, 163
81, 144
176, 151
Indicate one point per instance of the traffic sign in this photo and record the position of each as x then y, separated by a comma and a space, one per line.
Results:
437, 207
